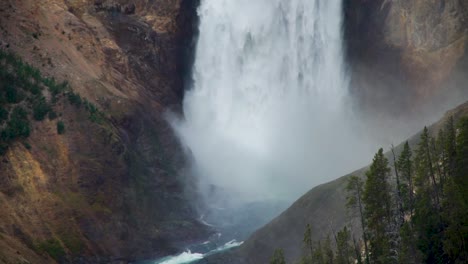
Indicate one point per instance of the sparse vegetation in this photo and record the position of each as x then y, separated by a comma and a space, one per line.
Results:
53, 248
40, 109
52, 115
23, 96
27, 145
60, 127
278, 257
72, 242
74, 99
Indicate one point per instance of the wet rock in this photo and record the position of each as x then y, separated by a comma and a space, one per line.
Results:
129, 9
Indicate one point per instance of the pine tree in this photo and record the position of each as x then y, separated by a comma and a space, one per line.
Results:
378, 210
427, 219
355, 189
408, 252
436, 151
308, 245
455, 203
449, 142
319, 255
344, 254
278, 257
461, 160
405, 168
398, 213
327, 250
425, 172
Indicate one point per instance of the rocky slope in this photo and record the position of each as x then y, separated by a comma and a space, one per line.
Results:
103, 191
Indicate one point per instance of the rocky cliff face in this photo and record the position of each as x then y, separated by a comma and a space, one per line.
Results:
407, 54
103, 191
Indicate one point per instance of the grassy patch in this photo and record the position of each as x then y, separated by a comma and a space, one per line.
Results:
53, 248
73, 243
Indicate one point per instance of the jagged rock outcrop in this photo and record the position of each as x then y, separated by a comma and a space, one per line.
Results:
109, 191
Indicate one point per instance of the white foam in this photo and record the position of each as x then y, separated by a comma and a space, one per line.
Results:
186, 257
189, 257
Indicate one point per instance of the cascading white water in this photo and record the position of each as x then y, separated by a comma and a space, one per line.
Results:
267, 113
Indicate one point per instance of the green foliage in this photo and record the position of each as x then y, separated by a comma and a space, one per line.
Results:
13, 95
74, 99
408, 249
427, 221
355, 190
343, 247
95, 115
3, 115
60, 127
22, 98
327, 252
449, 153
319, 254
17, 126
52, 115
425, 179
460, 176
434, 190
40, 109
378, 212
307, 240
73, 243
278, 257
3, 148
27, 145
56, 89
404, 166
53, 248
455, 203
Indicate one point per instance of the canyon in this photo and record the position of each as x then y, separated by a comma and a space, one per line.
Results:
122, 190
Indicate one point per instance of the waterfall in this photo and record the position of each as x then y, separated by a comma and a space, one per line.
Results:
267, 115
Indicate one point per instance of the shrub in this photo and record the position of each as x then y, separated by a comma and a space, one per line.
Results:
3, 148
27, 145
60, 127
52, 115
13, 95
55, 89
53, 248
72, 242
3, 115
40, 109
74, 99
17, 126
